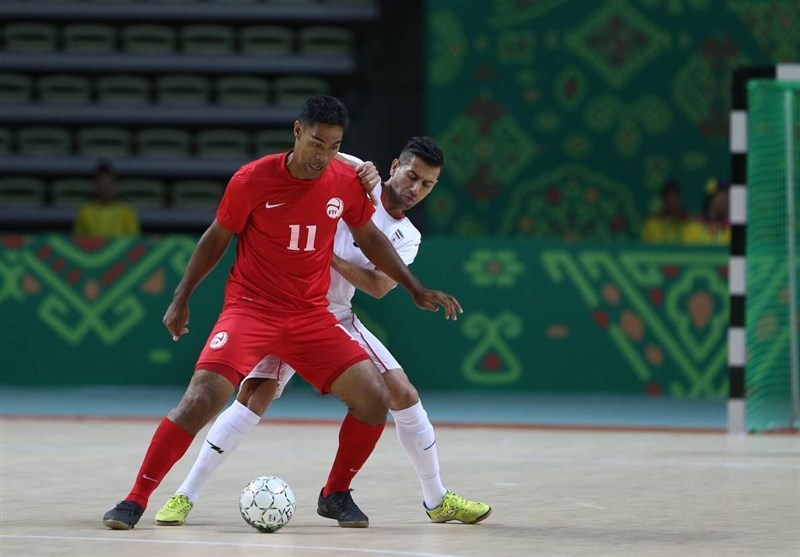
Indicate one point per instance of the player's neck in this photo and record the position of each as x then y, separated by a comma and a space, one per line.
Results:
389, 207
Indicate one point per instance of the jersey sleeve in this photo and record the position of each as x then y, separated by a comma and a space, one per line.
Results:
234, 209
358, 209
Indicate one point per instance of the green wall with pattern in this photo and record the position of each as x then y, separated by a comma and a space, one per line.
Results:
561, 118
538, 316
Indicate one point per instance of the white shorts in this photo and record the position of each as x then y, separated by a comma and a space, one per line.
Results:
272, 367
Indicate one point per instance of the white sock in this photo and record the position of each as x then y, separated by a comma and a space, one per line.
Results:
415, 432
224, 436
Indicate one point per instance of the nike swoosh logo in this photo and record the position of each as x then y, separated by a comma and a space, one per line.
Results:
273, 205
148, 478
429, 446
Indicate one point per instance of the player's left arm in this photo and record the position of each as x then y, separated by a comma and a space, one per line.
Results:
380, 251
372, 281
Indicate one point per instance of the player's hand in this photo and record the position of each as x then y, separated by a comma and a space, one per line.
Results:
176, 319
369, 177
431, 300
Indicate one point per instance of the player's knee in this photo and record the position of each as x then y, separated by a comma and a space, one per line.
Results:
404, 397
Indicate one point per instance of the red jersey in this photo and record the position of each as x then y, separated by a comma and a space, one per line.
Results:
286, 229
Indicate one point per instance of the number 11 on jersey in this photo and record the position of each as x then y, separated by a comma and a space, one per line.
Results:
294, 237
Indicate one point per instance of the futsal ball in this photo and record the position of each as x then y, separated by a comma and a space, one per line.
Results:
267, 503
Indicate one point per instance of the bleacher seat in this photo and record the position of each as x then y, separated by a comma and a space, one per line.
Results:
30, 37
104, 141
196, 194
15, 88
163, 142
242, 91
268, 142
294, 90
223, 143
71, 192
123, 89
6, 142
182, 90
22, 191
43, 140
326, 41
64, 89
145, 38
207, 39
89, 38
266, 40
142, 193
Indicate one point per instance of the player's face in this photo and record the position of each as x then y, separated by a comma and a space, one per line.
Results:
411, 182
314, 147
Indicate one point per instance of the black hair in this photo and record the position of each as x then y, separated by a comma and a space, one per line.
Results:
425, 148
103, 166
324, 109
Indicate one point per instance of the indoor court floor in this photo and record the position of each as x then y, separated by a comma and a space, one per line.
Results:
645, 489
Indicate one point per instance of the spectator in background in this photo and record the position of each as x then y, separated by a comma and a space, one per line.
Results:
666, 226
106, 214
713, 227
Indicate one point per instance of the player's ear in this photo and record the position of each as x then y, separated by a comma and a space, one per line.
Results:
298, 129
394, 167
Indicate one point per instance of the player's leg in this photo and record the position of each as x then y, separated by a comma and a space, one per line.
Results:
417, 437
415, 431
325, 355
206, 394
224, 436
361, 389
236, 344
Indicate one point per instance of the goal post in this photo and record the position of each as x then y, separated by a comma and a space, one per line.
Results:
763, 336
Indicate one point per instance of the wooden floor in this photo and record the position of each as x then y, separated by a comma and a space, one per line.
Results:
552, 492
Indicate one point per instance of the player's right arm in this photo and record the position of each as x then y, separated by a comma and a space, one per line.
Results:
372, 281
207, 253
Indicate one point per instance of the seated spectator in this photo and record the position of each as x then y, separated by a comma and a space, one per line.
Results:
666, 226
106, 214
713, 227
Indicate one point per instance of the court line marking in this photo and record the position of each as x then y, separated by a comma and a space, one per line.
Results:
347, 550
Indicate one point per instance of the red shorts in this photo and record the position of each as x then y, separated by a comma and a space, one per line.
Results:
312, 342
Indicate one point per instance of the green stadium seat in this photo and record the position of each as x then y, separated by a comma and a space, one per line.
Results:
223, 143
326, 41
6, 142
207, 40
242, 91
123, 89
30, 37
89, 38
22, 191
43, 140
266, 40
70, 193
143, 193
164, 142
15, 88
182, 90
196, 194
104, 141
294, 90
148, 38
64, 89
268, 142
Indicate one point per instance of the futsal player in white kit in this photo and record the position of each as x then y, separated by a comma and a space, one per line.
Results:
413, 176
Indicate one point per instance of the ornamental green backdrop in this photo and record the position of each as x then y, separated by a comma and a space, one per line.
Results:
538, 316
561, 118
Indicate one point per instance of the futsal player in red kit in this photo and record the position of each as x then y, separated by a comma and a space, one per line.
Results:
285, 209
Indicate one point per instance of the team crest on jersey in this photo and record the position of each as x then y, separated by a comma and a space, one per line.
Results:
218, 341
396, 236
335, 208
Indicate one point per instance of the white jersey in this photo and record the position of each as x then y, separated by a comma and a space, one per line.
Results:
403, 235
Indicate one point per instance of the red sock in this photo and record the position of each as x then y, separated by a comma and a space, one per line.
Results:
357, 440
168, 445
